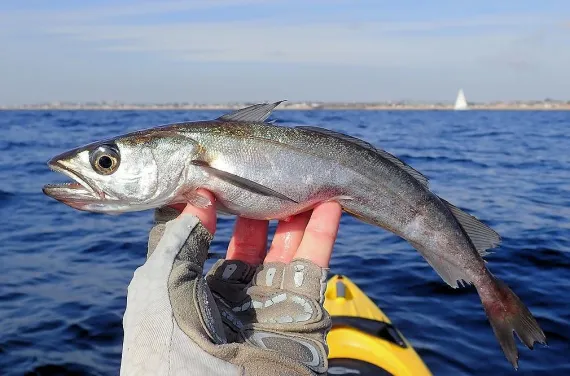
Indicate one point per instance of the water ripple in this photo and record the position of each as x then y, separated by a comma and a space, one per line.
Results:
64, 273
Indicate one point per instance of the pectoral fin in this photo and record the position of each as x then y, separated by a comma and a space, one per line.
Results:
238, 181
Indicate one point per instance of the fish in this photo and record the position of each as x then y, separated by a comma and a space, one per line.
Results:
258, 169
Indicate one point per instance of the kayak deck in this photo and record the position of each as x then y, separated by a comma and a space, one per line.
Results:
363, 340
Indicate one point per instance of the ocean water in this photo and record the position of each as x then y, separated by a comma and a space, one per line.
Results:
64, 273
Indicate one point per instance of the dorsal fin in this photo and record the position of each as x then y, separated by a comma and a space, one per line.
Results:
257, 113
482, 236
384, 154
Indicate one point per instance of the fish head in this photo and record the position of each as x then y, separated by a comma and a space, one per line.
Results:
134, 172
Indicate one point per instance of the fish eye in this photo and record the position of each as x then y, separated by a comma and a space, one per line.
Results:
105, 159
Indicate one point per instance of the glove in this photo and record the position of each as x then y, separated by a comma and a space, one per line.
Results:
242, 318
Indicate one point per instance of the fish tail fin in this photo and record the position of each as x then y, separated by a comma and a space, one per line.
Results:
508, 314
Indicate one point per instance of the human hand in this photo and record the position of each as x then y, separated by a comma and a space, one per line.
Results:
265, 313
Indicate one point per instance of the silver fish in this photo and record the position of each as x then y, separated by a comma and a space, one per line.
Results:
263, 171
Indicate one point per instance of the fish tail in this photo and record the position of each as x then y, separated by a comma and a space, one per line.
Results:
508, 314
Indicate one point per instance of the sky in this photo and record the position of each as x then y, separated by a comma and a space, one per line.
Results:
209, 51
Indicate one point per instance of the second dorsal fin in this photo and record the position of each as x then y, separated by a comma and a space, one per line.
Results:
384, 154
257, 113
482, 236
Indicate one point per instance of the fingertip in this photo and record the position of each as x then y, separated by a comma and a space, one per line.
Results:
320, 234
326, 217
288, 236
206, 215
249, 241
330, 207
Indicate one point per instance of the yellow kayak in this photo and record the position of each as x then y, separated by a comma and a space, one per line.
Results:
362, 340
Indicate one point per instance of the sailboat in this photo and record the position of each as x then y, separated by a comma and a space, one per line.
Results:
461, 102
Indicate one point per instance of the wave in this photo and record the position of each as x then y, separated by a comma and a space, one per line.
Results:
549, 258
455, 161
5, 198
14, 145
74, 267
6, 194
75, 369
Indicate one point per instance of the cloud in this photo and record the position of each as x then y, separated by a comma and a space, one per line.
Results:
376, 44
267, 42
278, 39
122, 9
107, 49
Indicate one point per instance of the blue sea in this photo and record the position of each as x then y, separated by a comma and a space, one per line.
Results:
64, 273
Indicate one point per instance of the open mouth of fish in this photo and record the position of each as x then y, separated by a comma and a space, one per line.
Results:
79, 190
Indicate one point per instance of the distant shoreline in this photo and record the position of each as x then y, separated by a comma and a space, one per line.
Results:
299, 106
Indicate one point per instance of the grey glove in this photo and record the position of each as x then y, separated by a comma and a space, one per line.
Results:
239, 320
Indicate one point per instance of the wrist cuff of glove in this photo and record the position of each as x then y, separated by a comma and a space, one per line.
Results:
185, 236
195, 248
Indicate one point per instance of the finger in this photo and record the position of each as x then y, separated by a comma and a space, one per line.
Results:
249, 241
320, 234
206, 215
287, 238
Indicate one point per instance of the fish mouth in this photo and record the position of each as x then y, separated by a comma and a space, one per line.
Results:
79, 190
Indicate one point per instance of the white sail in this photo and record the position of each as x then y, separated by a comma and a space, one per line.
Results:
461, 102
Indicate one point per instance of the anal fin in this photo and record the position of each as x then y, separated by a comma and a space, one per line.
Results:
451, 273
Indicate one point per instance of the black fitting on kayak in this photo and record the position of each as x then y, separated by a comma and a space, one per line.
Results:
375, 328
